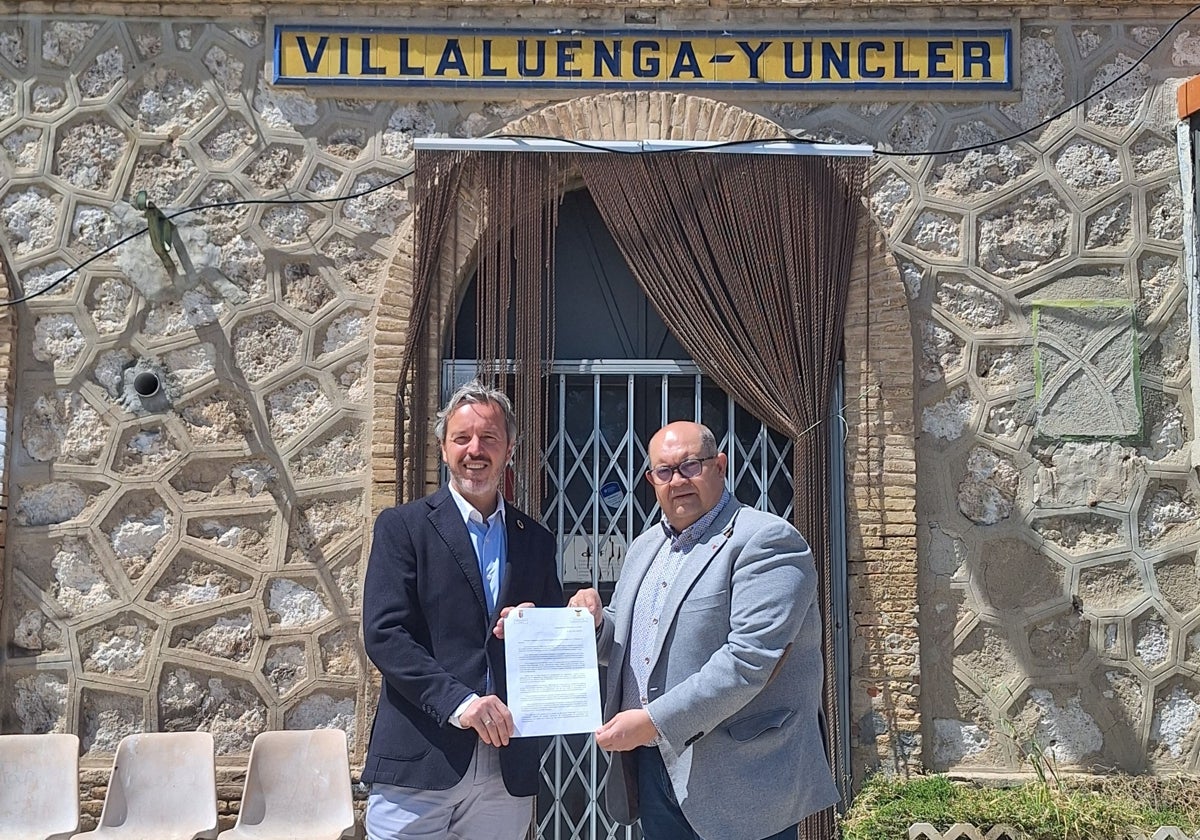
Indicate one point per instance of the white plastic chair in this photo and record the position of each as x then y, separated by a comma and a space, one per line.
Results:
297, 788
163, 787
39, 787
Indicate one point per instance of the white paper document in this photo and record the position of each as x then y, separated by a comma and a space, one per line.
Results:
553, 681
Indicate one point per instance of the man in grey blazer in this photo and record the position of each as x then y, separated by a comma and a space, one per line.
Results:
713, 643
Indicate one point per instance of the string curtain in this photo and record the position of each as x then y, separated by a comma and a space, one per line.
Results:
747, 259
516, 212
516, 298
436, 185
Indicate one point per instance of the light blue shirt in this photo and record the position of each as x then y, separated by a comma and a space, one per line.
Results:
490, 541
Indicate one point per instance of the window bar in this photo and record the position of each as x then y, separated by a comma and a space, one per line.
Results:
560, 742
590, 818
597, 454
664, 407
630, 452
562, 490
763, 445
730, 444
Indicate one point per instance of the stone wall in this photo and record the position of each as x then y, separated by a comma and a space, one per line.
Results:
190, 559
8, 361
1056, 500
645, 11
1022, 505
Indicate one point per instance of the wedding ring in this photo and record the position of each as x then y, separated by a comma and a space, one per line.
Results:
487, 721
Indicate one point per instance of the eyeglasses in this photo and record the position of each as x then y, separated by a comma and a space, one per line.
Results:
690, 468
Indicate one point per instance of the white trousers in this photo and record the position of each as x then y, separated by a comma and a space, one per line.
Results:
477, 808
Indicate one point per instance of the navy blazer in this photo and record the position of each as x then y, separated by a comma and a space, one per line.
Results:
427, 629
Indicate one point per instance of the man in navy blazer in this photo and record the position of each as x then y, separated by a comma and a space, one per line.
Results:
442, 761
713, 643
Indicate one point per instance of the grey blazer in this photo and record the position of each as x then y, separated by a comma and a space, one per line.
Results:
735, 681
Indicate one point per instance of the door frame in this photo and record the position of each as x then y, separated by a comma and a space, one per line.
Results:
455, 372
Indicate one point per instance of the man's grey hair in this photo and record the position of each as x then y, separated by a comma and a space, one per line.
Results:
476, 393
708, 442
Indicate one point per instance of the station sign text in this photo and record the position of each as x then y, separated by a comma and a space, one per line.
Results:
384, 56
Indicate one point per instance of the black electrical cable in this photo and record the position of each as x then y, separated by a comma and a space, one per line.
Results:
789, 138
75, 270
241, 202
596, 147
1060, 113
216, 206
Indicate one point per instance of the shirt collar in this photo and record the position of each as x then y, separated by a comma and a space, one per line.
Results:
470, 513
686, 539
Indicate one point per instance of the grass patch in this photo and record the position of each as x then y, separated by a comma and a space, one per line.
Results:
1110, 807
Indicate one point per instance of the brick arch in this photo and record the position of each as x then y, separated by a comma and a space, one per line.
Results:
881, 512
880, 446
615, 116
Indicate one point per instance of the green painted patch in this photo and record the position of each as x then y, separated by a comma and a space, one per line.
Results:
1086, 368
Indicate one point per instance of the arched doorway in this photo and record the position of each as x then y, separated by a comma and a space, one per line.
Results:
619, 374
879, 703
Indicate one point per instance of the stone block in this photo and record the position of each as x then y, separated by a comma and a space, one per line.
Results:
1170, 832
962, 831
1086, 376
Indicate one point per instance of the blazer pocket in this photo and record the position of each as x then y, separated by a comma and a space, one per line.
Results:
389, 762
749, 728
705, 602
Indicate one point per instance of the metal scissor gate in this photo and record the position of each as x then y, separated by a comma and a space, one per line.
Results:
600, 417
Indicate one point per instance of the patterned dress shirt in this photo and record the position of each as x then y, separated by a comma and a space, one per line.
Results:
652, 595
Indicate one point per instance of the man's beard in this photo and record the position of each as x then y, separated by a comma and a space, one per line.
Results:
470, 485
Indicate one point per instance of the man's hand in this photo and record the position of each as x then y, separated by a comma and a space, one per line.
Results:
590, 600
490, 718
498, 630
628, 730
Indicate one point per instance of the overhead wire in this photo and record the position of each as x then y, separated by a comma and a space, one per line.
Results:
219, 205
596, 147
791, 138
1061, 113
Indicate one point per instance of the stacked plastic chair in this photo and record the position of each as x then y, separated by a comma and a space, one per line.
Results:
297, 788
39, 787
163, 787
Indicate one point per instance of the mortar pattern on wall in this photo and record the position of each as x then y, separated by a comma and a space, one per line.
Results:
1026, 537
118, 503
196, 566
